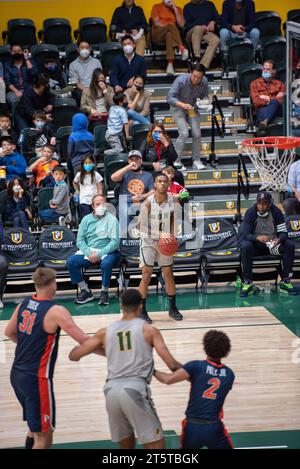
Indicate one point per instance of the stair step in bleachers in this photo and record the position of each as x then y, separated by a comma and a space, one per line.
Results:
234, 119
223, 176
216, 206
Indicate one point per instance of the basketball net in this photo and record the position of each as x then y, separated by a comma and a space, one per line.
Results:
272, 157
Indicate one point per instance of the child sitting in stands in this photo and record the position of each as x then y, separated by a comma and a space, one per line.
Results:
59, 210
42, 168
178, 191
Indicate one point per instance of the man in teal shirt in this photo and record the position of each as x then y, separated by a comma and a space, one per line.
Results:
98, 241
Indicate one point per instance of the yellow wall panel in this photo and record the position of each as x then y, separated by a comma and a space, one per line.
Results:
38, 10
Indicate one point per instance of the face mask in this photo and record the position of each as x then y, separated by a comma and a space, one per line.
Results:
128, 49
263, 215
18, 56
52, 68
156, 136
59, 183
88, 167
125, 105
40, 125
100, 210
266, 75
84, 53
16, 189
139, 87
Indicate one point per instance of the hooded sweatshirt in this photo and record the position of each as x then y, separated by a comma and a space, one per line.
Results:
81, 142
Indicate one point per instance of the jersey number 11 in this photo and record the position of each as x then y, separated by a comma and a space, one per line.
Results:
124, 341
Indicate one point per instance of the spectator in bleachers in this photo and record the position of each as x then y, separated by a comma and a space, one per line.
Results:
59, 210
2, 85
97, 98
238, 21
117, 124
183, 95
130, 19
87, 183
292, 204
44, 133
17, 204
201, 17
57, 78
266, 95
98, 242
81, 69
18, 73
166, 18
3, 268
135, 183
158, 151
81, 142
34, 99
174, 187
42, 168
126, 66
138, 102
11, 161
6, 129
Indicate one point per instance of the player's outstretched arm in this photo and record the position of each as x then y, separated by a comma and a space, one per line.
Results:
60, 316
92, 345
163, 351
171, 378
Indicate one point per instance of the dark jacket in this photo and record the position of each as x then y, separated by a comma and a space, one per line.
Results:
122, 70
168, 155
12, 206
32, 102
228, 14
127, 19
249, 224
81, 142
15, 165
57, 79
21, 77
199, 14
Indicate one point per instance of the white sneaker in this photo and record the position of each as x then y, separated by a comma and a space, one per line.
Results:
197, 164
185, 54
179, 165
1, 304
170, 69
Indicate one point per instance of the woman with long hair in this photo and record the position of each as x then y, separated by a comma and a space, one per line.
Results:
158, 151
17, 204
97, 99
138, 100
87, 183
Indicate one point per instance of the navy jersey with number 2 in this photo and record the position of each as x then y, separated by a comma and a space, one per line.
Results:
210, 384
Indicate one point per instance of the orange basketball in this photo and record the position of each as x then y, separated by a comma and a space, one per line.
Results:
168, 247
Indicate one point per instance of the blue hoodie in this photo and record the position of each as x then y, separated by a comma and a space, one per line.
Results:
81, 142
15, 165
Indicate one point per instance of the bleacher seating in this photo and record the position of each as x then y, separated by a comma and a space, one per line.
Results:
213, 190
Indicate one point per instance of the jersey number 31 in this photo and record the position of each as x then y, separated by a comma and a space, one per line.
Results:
28, 321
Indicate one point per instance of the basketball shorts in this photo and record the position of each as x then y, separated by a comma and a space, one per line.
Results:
37, 400
209, 435
149, 254
131, 410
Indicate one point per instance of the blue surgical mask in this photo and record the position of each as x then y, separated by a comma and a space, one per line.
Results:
266, 75
40, 125
88, 166
59, 183
156, 136
52, 68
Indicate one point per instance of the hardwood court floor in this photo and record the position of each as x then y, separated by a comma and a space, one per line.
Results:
265, 396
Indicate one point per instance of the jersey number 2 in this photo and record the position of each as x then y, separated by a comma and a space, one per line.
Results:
124, 337
210, 392
28, 322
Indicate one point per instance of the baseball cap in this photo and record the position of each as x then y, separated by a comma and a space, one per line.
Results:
263, 196
135, 153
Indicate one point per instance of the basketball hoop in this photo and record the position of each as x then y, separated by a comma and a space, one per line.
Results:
272, 157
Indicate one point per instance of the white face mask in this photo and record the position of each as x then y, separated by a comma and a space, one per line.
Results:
100, 210
128, 49
263, 215
16, 189
84, 53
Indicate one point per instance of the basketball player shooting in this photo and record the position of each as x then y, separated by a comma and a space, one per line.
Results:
158, 243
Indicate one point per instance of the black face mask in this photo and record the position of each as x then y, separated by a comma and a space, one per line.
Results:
139, 87
17, 56
125, 105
